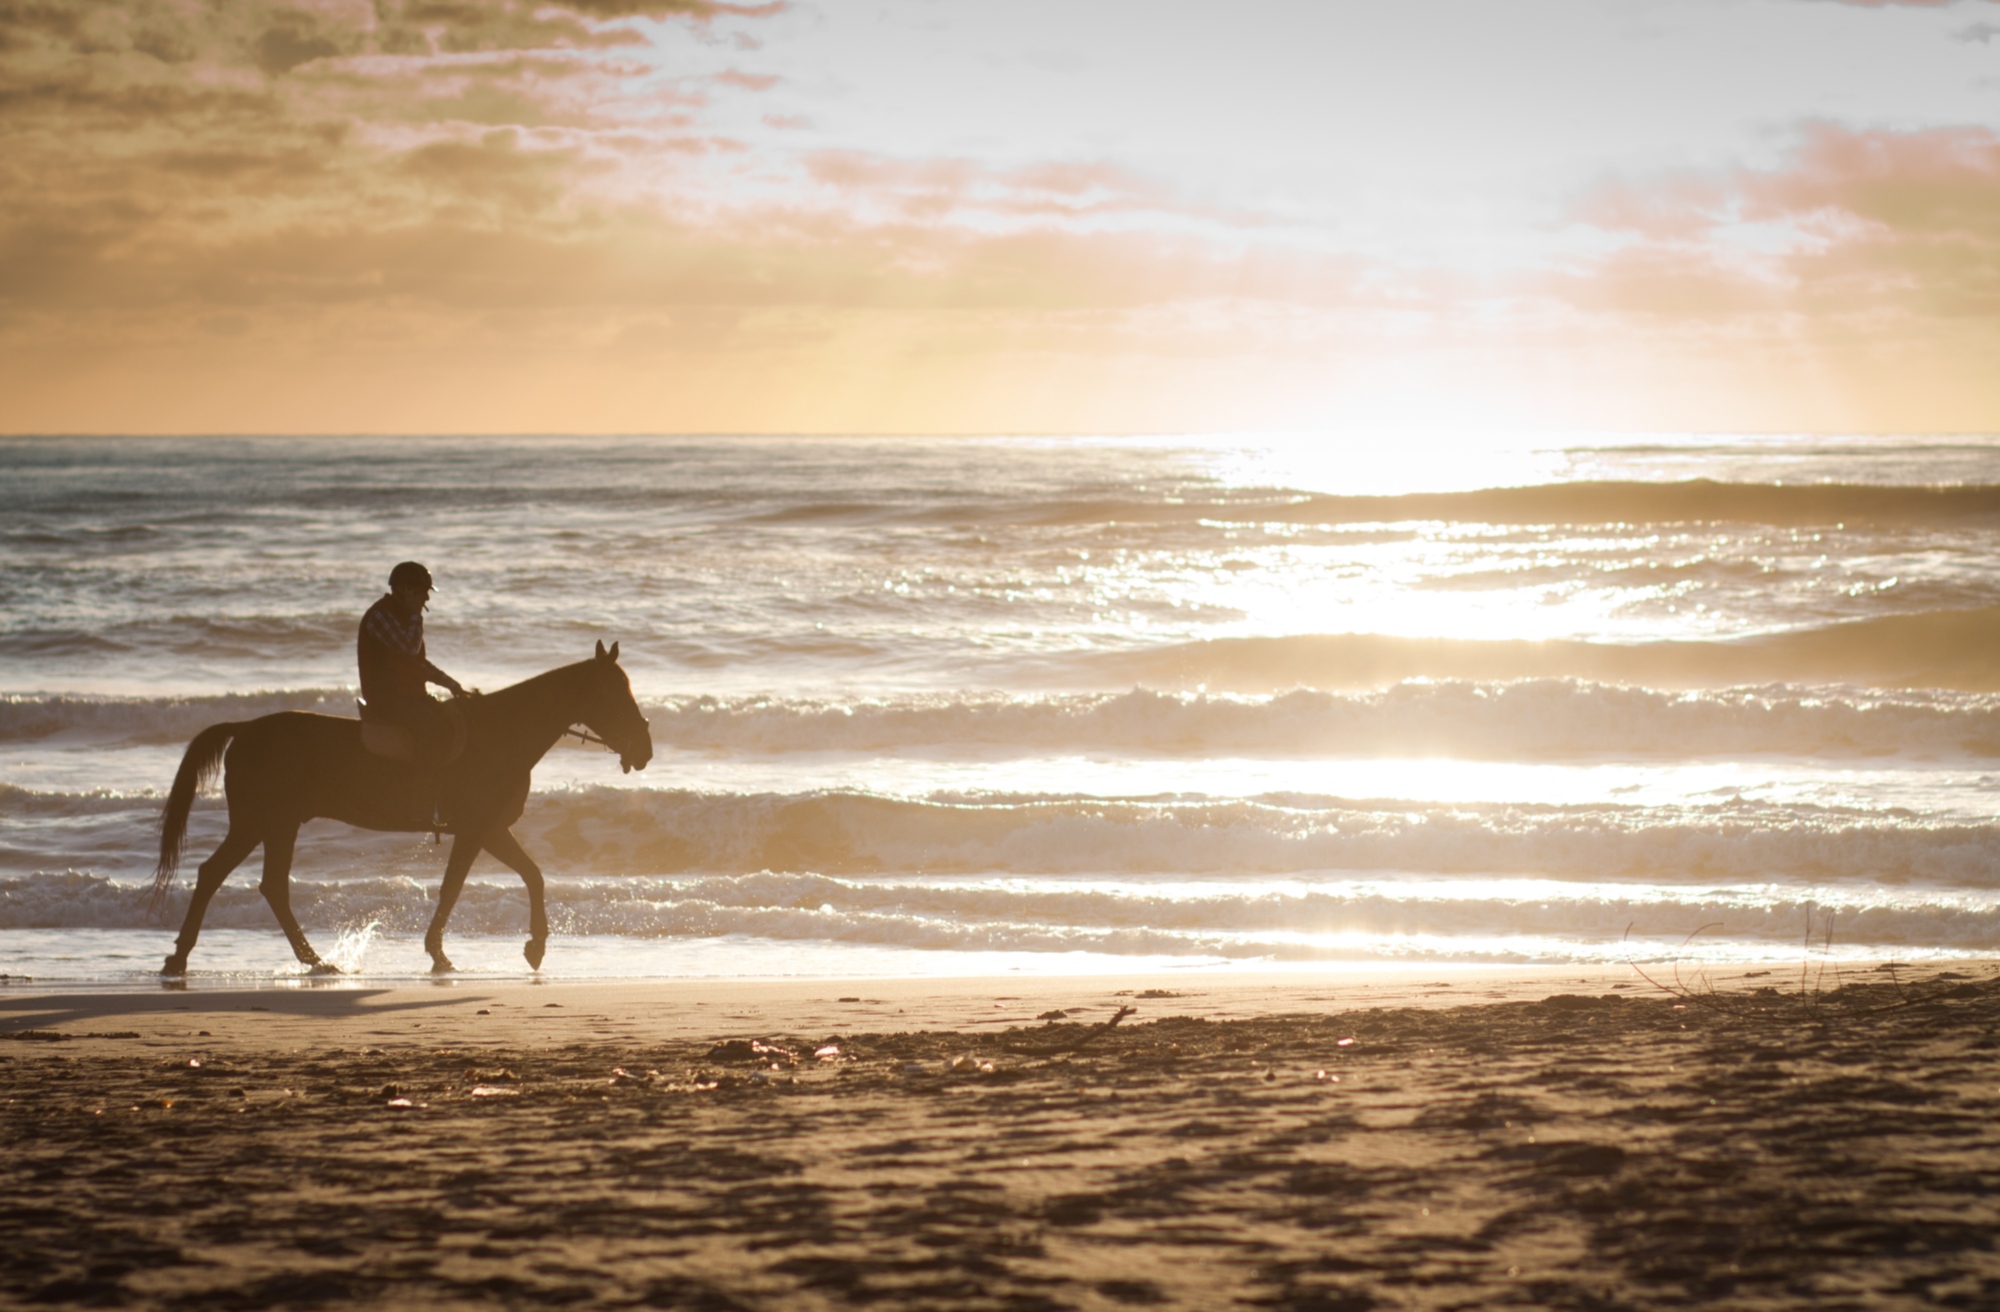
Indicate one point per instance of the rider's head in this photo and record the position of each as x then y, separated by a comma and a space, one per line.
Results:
411, 583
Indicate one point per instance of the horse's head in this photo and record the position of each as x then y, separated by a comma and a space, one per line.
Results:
612, 714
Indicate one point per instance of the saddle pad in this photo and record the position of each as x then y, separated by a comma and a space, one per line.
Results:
392, 742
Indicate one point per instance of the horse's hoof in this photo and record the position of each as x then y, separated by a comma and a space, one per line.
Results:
441, 965
176, 965
533, 952
324, 968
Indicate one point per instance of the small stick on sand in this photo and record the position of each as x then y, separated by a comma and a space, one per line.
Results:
1095, 1033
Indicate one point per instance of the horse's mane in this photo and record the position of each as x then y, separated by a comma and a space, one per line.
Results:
538, 685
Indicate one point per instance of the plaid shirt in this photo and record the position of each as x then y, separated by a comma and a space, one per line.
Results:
390, 649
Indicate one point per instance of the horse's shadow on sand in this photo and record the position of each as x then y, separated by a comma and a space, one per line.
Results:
46, 1010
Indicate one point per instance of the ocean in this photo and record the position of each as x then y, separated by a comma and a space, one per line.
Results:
1079, 705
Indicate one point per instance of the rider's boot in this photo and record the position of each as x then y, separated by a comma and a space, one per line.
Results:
434, 790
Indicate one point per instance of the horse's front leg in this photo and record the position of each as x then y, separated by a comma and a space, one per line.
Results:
456, 867
502, 843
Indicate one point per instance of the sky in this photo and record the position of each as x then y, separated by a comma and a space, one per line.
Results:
912, 216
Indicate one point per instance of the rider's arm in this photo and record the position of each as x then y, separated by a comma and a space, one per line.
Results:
432, 674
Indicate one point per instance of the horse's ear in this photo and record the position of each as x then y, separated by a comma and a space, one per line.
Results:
600, 649
614, 653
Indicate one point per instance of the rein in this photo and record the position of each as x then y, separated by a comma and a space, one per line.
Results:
586, 735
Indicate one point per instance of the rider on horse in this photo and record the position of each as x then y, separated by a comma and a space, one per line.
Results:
394, 668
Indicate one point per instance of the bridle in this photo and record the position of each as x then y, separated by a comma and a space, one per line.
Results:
583, 734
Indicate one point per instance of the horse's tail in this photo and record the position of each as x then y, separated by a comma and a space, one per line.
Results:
198, 767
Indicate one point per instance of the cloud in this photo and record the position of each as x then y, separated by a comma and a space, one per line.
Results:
963, 190
1853, 223
381, 207
282, 49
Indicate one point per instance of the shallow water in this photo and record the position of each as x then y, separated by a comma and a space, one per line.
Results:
985, 705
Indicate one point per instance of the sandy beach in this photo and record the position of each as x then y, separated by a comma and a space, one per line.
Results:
1475, 1139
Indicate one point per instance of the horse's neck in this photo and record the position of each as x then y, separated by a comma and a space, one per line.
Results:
536, 712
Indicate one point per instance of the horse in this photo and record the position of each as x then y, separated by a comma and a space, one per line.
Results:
284, 769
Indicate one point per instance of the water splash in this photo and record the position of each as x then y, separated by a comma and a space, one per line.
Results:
350, 946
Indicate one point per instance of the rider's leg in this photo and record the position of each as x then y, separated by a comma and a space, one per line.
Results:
426, 720
423, 719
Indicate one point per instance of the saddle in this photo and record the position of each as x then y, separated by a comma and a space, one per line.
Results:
392, 742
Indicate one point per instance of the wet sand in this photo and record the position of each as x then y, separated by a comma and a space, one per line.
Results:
1540, 1139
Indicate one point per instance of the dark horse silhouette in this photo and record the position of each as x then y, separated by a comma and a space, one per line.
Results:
285, 769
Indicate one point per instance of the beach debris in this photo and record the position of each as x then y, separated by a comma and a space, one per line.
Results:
1327, 1076
621, 1076
830, 1052
194, 1063
493, 1091
482, 1012
1344, 1043
400, 1102
847, 999
916, 1068
966, 1063
1091, 1035
492, 1077
750, 1050
1160, 993
1057, 1014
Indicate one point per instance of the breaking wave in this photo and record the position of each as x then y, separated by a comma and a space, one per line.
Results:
1326, 921
604, 831
1546, 718
1950, 649
1592, 502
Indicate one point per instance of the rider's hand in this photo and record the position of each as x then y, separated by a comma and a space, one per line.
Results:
455, 688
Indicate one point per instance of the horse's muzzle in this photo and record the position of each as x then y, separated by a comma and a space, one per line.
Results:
640, 751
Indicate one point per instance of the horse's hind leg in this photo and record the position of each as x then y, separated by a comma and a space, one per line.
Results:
236, 844
277, 889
